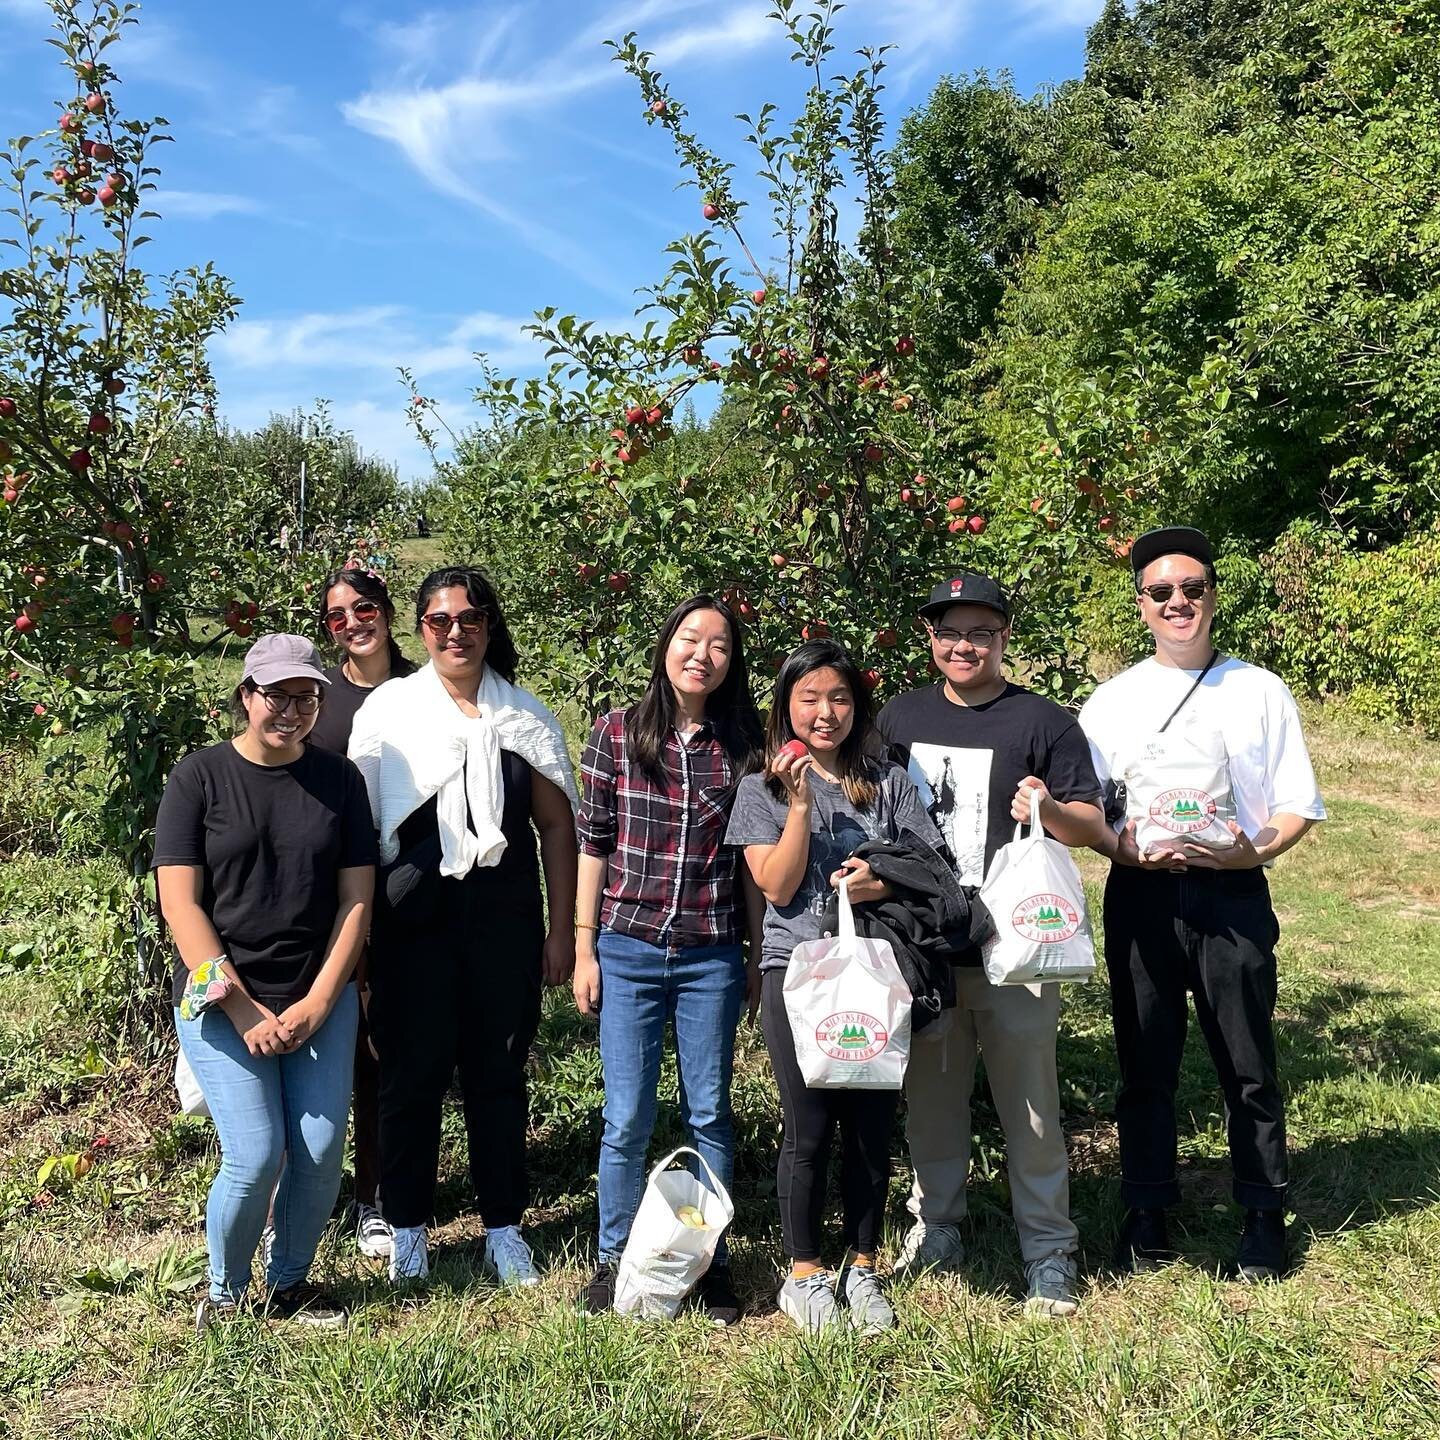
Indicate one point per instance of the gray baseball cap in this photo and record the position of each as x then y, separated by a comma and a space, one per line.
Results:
283, 657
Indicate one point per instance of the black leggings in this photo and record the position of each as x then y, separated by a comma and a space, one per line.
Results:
455, 975
866, 1119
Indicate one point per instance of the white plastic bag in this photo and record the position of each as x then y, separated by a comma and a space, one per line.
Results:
187, 1087
1035, 896
1177, 791
849, 1010
664, 1256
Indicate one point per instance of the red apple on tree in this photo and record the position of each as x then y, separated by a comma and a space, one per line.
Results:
70, 124
123, 623
692, 354
758, 296
887, 638
905, 345
957, 504
24, 624
658, 107
95, 103
976, 524
80, 459
871, 678
710, 210
1106, 523
107, 196
587, 571
85, 196
8, 408
100, 423
635, 415
819, 367
114, 385
957, 525
815, 630
620, 580
873, 454
124, 532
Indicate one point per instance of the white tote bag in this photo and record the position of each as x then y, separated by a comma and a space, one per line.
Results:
1177, 791
849, 1010
672, 1242
1035, 896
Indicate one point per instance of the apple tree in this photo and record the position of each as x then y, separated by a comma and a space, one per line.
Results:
834, 481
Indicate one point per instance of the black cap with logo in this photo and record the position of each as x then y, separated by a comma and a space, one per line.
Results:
967, 588
1172, 540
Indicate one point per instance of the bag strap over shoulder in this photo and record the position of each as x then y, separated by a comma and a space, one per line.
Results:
1195, 685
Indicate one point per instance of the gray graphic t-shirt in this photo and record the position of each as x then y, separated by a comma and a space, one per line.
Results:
837, 830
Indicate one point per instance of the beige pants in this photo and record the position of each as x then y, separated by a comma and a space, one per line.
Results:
1014, 1029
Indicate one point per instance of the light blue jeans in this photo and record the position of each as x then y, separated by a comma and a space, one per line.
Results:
272, 1111
701, 989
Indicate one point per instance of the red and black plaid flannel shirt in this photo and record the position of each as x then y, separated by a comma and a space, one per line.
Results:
672, 880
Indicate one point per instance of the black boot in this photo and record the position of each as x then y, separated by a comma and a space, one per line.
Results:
599, 1295
1144, 1242
1261, 1255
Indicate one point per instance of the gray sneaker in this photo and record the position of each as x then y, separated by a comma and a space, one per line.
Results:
870, 1311
208, 1311
929, 1247
810, 1302
1050, 1292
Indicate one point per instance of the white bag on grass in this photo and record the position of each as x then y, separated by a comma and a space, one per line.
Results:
1035, 896
187, 1087
849, 1010
672, 1242
1177, 791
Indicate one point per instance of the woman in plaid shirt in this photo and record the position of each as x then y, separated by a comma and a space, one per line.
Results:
661, 910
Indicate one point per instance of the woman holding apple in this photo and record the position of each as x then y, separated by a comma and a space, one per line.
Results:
463, 768
660, 918
265, 863
357, 614
825, 792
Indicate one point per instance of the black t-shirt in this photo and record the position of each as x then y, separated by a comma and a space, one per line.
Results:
343, 698
271, 840
967, 761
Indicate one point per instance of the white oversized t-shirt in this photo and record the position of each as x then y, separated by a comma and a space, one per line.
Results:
1251, 708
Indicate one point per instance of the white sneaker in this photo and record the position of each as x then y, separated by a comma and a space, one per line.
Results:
810, 1302
507, 1254
929, 1247
267, 1249
409, 1253
372, 1234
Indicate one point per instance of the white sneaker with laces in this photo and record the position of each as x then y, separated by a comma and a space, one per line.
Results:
372, 1234
1050, 1287
929, 1247
870, 1311
810, 1302
409, 1253
508, 1256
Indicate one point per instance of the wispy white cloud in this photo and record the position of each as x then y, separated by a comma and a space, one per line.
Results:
718, 41
1058, 14
201, 204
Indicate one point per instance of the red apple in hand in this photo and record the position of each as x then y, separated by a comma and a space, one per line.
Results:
793, 748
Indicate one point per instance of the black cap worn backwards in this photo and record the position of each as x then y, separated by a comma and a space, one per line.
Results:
967, 588
1172, 540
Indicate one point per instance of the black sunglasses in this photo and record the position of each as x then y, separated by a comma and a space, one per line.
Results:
1190, 589
279, 701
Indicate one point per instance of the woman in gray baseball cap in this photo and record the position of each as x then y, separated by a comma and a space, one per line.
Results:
265, 862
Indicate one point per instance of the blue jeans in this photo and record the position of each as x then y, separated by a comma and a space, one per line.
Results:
269, 1111
700, 989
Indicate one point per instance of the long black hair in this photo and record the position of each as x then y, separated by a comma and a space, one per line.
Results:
500, 654
856, 763
730, 708
369, 586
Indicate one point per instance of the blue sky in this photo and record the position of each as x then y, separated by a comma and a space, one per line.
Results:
390, 184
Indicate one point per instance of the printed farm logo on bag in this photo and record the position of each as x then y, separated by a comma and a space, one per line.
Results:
1046, 919
1182, 811
851, 1035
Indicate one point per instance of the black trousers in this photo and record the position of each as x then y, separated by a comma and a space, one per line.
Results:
455, 972
865, 1119
1211, 934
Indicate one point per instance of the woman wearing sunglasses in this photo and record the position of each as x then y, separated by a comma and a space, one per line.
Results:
460, 764
265, 863
357, 614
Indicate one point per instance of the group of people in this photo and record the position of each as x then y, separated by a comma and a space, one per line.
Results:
360, 907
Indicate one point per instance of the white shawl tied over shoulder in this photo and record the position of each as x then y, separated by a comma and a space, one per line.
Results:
411, 741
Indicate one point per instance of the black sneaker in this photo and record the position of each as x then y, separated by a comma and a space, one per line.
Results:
717, 1296
1262, 1256
599, 1295
307, 1304
1144, 1242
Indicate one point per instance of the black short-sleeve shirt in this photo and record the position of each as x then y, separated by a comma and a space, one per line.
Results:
271, 841
343, 698
967, 761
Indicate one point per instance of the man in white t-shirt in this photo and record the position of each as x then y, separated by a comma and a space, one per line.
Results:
1184, 917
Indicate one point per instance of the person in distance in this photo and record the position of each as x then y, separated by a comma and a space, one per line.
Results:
463, 768
265, 864
823, 793
662, 907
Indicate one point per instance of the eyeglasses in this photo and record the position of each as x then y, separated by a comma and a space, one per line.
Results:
362, 612
471, 622
279, 701
982, 637
1190, 589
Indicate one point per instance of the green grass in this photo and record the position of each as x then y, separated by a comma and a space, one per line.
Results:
95, 1304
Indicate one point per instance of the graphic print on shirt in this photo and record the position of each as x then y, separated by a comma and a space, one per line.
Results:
954, 786
837, 839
